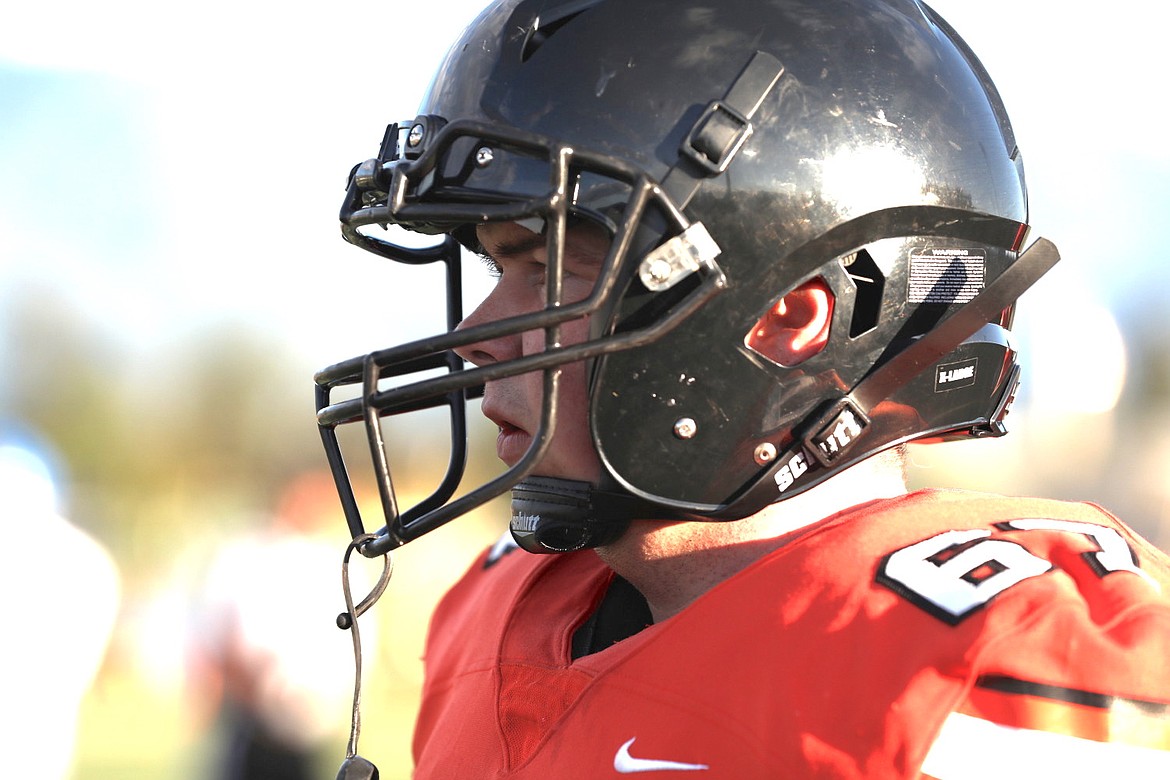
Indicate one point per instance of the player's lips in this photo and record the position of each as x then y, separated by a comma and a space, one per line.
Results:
512, 441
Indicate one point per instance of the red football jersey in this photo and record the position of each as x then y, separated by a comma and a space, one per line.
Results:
941, 634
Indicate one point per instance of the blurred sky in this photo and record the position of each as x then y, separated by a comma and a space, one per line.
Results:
167, 166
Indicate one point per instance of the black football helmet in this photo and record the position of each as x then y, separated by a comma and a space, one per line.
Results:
734, 151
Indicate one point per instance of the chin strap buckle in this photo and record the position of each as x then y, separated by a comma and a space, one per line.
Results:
722, 129
835, 432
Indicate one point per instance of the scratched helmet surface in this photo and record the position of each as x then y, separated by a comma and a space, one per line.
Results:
734, 150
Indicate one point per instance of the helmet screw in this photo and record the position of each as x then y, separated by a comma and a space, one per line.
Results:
765, 453
659, 270
484, 157
686, 428
415, 137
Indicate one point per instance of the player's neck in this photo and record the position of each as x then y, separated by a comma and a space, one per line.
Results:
672, 564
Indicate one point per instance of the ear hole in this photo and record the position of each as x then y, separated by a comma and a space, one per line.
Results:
870, 283
796, 326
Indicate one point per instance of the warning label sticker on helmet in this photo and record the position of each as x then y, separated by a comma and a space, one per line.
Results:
946, 275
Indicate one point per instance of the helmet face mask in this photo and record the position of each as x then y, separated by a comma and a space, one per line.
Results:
724, 184
397, 190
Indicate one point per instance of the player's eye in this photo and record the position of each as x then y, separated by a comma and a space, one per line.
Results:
493, 268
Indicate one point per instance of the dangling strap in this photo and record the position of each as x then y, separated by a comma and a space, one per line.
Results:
355, 767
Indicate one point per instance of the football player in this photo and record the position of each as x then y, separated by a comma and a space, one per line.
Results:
745, 251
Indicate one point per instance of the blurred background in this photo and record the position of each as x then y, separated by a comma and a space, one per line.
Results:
171, 276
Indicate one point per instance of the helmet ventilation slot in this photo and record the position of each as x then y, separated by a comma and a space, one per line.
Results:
547, 25
869, 282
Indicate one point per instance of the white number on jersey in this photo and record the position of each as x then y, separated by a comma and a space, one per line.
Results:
953, 574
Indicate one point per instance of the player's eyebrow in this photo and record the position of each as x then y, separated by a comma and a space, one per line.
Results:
521, 244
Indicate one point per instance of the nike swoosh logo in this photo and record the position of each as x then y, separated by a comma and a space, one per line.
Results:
625, 764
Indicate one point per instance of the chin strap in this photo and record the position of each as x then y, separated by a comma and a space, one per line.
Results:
552, 515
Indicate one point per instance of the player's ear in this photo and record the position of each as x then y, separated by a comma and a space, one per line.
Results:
795, 327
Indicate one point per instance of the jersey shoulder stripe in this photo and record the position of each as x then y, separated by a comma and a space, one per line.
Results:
1076, 713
